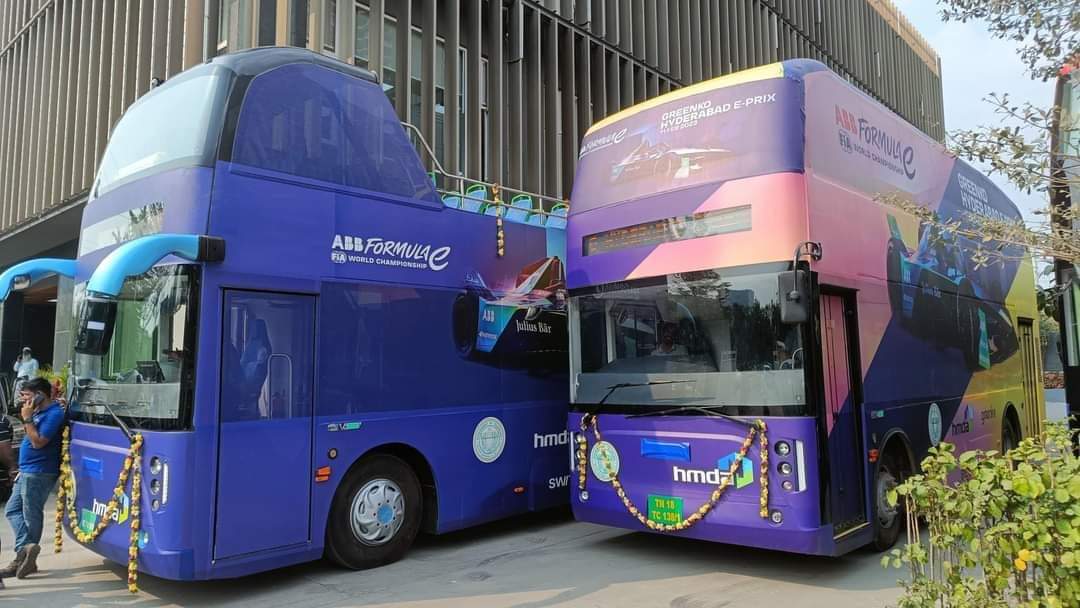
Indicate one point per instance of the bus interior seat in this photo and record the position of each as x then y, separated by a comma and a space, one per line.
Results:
717, 338
536, 218
557, 219
521, 206
475, 198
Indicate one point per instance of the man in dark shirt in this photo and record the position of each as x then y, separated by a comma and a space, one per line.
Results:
39, 468
7, 456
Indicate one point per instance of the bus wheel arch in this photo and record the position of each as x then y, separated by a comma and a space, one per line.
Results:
379, 507
1011, 431
895, 463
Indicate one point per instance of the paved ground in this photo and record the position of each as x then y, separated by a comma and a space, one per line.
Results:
537, 561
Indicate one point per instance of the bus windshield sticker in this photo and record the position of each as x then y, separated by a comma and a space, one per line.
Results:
698, 225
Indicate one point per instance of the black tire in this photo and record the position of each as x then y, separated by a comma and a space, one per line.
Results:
465, 312
1010, 435
344, 545
887, 523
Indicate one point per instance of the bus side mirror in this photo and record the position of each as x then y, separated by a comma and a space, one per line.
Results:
794, 286
97, 319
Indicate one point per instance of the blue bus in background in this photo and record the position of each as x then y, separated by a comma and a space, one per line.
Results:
324, 353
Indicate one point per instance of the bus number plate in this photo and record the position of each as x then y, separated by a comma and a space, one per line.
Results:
665, 509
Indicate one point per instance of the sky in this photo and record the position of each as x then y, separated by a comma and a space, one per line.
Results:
973, 65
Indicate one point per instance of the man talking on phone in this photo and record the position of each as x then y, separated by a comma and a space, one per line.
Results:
39, 467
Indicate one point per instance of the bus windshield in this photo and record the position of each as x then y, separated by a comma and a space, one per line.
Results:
173, 126
146, 376
706, 338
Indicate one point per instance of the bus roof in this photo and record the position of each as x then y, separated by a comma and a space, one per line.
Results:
253, 62
792, 68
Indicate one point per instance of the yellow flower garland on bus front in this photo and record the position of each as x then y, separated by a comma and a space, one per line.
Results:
65, 500
757, 428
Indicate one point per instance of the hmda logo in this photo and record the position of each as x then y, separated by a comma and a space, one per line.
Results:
551, 439
120, 515
743, 478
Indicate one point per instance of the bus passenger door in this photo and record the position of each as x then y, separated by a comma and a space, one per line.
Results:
1030, 412
841, 408
264, 451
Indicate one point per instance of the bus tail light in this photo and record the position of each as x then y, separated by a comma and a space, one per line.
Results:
165, 483
800, 465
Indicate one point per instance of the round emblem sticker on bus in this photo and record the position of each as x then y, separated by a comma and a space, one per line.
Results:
600, 452
933, 423
489, 439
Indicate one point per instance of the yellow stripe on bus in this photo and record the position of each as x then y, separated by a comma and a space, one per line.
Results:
765, 72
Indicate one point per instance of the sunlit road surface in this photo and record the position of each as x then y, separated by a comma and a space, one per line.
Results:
536, 561
530, 562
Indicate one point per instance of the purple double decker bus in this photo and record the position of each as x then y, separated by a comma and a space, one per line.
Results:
322, 353
760, 349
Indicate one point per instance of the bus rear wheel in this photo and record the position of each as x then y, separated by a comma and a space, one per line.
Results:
1010, 435
375, 515
887, 518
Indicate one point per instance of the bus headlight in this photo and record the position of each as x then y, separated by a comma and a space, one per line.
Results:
776, 517
783, 448
784, 468
155, 487
155, 465
787, 485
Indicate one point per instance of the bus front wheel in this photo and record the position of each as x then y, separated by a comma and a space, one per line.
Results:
375, 515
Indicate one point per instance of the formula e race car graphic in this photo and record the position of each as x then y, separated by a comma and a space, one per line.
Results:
527, 320
663, 160
940, 297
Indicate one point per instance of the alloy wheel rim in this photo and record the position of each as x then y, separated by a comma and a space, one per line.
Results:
377, 512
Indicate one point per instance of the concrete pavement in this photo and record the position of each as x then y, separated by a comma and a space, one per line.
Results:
542, 560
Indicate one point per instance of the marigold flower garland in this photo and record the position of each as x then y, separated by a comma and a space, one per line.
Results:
65, 499
758, 428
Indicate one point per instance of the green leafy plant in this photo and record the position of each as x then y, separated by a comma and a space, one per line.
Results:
59, 379
1003, 529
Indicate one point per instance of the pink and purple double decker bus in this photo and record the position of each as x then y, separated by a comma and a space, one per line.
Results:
761, 347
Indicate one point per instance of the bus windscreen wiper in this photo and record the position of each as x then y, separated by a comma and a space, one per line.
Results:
90, 386
119, 422
614, 387
706, 409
